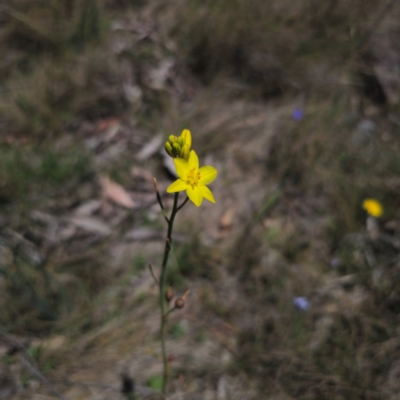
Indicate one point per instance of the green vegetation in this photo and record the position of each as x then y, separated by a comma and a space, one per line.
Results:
155, 382
86, 84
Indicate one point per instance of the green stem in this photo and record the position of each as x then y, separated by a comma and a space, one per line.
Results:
167, 249
152, 274
186, 200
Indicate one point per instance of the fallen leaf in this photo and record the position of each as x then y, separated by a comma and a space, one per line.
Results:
133, 93
116, 193
226, 220
107, 123
159, 76
150, 148
111, 132
143, 234
90, 224
87, 208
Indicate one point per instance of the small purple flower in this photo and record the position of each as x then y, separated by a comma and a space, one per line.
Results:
301, 303
335, 263
298, 114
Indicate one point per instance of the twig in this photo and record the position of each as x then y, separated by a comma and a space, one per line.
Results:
33, 369
30, 24
169, 312
153, 275
38, 375
159, 199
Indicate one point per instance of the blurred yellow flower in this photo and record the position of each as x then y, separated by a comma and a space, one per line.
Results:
193, 179
373, 207
179, 146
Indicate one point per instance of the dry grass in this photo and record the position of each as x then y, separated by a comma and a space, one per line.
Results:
273, 48
295, 188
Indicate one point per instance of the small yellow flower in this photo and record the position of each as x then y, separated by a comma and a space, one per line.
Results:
193, 179
373, 207
179, 146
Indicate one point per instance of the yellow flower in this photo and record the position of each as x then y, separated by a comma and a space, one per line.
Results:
373, 207
179, 146
193, 179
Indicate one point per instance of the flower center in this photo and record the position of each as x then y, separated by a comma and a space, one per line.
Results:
193, 177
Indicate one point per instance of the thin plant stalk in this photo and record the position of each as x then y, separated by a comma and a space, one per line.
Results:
164, 311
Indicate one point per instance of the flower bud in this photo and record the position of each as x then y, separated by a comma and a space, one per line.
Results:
169, 294
177, 148
179, 302
187, 137
185, 152
168, 149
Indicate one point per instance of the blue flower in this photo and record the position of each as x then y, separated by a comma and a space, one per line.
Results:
301, 303
335, 263
298, 114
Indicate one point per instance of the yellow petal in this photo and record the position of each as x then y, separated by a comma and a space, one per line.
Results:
177, 186
181, 167
207, 194
195, 194
185, 152
207, 175
188, 137
193, 160
373, 207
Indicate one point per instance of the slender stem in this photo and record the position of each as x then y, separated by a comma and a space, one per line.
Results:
159, 199
167, 249
152, 274
169, 312
186, 200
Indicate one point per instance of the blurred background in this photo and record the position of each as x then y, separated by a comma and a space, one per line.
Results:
294, 292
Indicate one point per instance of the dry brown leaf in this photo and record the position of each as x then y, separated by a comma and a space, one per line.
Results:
226, 220
107, 123
116, 193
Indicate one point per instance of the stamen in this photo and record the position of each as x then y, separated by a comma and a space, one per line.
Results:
193, 177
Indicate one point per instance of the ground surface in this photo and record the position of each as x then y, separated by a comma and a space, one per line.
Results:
293, 290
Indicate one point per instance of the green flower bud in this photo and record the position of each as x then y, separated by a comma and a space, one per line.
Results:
168, 149
177, 148
185, 152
